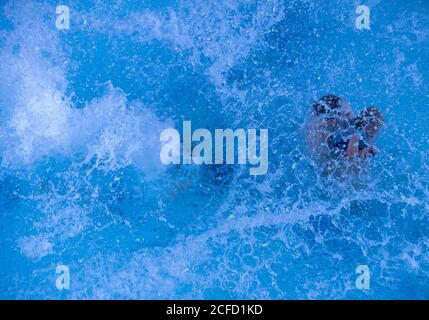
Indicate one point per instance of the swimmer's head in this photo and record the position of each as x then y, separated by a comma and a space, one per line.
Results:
370, 121
332, 105
326, 104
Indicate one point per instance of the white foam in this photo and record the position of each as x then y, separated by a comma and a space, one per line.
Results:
37, 246
40, 120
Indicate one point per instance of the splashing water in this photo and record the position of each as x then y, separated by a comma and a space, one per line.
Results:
81, 183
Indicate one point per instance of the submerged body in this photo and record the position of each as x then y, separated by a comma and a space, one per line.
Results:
337, 140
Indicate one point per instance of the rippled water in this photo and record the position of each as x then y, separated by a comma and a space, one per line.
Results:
81, 184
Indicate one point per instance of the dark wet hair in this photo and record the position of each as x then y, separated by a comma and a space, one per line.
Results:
367, 116
326, 104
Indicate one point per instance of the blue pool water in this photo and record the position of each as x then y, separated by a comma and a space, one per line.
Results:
81, 183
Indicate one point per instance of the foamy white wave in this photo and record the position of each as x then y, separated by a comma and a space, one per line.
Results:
40, 121
118, 134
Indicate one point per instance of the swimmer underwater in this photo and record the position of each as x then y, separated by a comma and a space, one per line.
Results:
337, 138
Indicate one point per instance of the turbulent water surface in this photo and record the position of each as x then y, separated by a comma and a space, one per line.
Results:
81, 183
